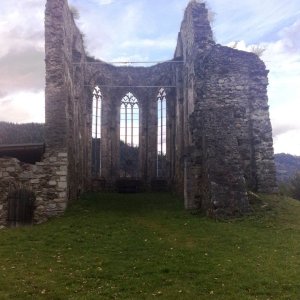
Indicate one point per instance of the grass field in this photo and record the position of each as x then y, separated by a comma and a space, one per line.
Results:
145, 246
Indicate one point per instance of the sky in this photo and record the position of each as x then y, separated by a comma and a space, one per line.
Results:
146, 30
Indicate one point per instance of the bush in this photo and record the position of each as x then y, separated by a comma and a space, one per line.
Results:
295, 186
285, 189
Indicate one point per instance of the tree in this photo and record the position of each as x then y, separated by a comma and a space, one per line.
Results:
295, 186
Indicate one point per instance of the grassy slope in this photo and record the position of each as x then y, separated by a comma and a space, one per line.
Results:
144, 246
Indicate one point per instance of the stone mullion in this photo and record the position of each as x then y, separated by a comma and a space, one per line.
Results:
105, 136
114, 129
140, 96
131, 111
152, 134
161, 136
170, 133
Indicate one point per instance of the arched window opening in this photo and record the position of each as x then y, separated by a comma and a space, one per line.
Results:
96, 132
161, 163
129, 136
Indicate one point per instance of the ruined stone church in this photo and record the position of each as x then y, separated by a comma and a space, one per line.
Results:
197, 124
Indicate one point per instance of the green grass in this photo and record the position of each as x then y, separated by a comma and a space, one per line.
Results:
144, 246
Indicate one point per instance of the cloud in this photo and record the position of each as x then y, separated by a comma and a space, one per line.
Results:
131, 28
22, 46
105, 2
288, 143
22, 71
22, 60
21, 25
23, 107
160, 43
291, 38
2, 94
131, 58
104, 37
282, 58
285, 118
279, 129
252, 20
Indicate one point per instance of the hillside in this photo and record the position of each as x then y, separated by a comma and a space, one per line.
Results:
11, 133
287, 166
144, 246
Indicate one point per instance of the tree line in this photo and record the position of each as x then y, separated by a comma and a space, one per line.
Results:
11, 133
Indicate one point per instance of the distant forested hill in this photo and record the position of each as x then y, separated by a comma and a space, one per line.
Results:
287, 166
11, 133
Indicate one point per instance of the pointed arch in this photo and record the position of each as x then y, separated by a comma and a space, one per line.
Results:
129, 135
129, 120
96, 131
161, 133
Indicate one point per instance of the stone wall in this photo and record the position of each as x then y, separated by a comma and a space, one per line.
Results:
68, 103
219, 181
195, 36
115, 83
46, 179
239, 79
231, 150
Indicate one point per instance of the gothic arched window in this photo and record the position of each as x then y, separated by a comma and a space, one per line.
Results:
161, 133
96, 132
129, 135
129, 117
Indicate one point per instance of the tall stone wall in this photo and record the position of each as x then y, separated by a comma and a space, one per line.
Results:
228, 77
144, 84
68, 103
230, 149
195, 36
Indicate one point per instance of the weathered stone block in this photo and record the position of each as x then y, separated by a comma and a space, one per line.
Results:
52, 183
10, 169
34, 181
53, 159
62, 185
52, 206
63, 168
62, 173
62, 195
62, 178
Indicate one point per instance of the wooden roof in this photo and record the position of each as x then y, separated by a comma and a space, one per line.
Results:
28, 153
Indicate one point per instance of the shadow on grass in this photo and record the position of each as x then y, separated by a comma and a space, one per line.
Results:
128, 203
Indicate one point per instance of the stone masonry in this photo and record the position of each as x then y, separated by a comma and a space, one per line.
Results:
219, 135
47, 179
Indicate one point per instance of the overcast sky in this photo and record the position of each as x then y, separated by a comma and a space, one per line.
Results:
147, 30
